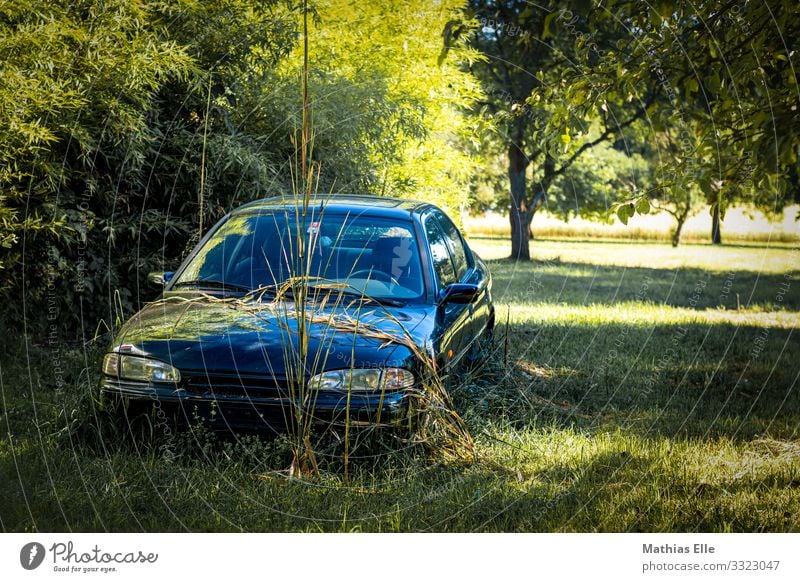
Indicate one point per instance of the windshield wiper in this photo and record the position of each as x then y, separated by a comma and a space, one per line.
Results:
271, 290
379, 300
211, 284
351, 291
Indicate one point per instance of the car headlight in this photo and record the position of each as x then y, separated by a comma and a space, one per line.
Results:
138, 368
363, 380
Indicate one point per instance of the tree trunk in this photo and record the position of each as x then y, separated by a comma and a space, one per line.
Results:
536, 203
676, 235
520, 235
716, 226
519, 214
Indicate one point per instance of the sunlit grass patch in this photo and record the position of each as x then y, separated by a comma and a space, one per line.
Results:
696, 284
643, 315
570, 480
721, 259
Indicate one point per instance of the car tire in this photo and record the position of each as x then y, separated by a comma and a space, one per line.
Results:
481, 350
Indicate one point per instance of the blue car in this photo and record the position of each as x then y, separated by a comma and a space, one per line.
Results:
387, 286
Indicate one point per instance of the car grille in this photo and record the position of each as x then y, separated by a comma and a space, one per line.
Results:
209, 384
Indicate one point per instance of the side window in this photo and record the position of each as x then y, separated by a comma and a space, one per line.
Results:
456, 245
442, 263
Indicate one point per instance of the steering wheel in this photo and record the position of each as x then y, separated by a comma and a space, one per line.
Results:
372, 274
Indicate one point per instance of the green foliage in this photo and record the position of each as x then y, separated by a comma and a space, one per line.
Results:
102, 112
116, 115
387, 115
597, 180
720, 89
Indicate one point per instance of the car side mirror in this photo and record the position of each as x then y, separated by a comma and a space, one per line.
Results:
159, 279
459, 293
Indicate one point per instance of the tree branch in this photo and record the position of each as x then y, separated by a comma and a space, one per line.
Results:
534, 154
604, 136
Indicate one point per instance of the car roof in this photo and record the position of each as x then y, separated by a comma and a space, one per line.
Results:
374, 205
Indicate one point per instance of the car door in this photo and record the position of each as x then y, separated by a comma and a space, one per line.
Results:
451, 318
470, 270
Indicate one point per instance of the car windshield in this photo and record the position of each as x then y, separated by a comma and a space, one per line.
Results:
378, 257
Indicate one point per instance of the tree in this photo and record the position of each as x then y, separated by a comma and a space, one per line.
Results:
725, 74
529, 49
717, 79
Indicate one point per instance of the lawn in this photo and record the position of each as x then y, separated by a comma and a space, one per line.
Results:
634, 387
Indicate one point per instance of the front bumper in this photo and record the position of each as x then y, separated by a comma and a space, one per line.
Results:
271, 413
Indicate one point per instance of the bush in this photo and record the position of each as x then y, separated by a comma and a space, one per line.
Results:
106, 111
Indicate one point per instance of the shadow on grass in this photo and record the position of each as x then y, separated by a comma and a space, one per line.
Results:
673, 381
633, 491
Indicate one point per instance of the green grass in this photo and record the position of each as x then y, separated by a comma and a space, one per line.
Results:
634, 392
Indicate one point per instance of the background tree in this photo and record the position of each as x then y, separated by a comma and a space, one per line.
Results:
727, 90
528, 49
714, 81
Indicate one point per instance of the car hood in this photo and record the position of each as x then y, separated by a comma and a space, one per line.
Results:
196, 333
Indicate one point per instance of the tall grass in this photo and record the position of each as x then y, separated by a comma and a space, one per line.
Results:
627, 403
433, 420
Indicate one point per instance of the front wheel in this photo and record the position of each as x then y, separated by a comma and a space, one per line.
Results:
481, 349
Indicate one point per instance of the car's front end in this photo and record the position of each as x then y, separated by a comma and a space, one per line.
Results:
234, 366
235, 401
